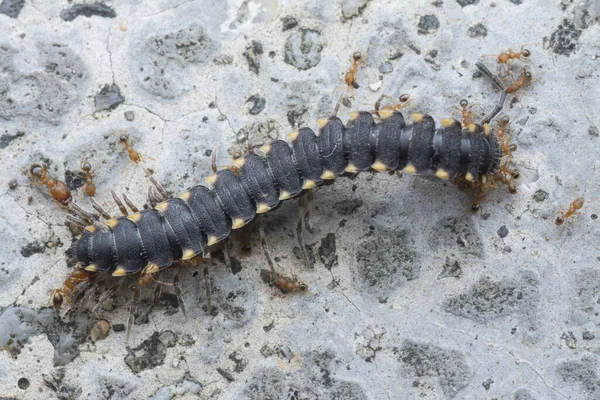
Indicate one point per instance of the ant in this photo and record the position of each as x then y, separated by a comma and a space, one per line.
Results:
90, 187
507, 57
466, 118
134, 155
350, 76
72, 286
58, 189
285, 284
504, 140
403, 101
524, 80
574, 208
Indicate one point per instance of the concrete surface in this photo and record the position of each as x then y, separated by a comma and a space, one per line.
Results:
412, 295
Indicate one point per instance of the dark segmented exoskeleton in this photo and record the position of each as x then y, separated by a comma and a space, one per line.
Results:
184, 227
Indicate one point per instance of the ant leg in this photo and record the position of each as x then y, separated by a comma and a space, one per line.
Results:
99, 209
119, 203
132, 310
499, 84
179, 295
299, 228
130, 204
207, 289
263, 244
157, 294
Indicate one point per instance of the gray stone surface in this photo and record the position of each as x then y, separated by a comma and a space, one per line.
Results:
411, 296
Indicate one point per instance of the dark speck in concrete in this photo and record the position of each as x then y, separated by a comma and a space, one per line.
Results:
464, 3
74, 180
540, 195
129, 115
32, 248
289, 23
517, 2
258, 104
252, 52
478, 30
118, 327
451, 269
6, 139
426, 360
12, 8
487, 384
593, 131
564, 39
327, 251
303, 49
88, 10
587, 335
428, 24
151, 353
503, 231
347, 207
581, 373
108, 98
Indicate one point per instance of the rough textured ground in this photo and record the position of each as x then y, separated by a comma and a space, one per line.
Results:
412, 296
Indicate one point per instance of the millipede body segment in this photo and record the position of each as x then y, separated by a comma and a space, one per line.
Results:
184, 227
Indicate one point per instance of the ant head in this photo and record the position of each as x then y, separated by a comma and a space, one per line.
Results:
303, 287
37, 172
404, 98
123, 138
525, 53
464, 103
57, 299
475, 207
504, 120
559, 220
86, 166
357, 56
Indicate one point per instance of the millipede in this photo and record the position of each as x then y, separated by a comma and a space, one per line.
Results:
185, 229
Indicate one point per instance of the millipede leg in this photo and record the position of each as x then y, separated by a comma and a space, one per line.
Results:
207, 289
119, 203
213, 161
163, 193
130, 204
178, 293
90, 219
152, 197
299, 236
132, 310
263, 244
99, 209
500, 85
226, 255
76, 220
309, 200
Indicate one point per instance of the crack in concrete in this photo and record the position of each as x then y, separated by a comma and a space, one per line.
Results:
224, 116
110, 56
519, 361
167, 9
